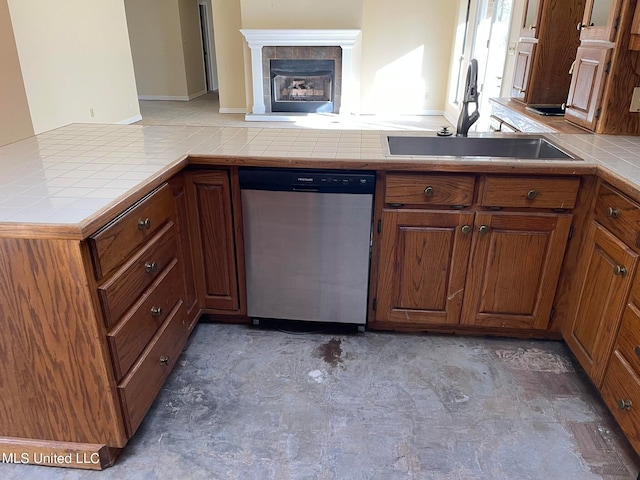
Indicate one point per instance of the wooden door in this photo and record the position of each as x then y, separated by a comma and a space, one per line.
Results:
600, 21
514, 269
423, 264
212, 236
524, 58
606, 272
587, 85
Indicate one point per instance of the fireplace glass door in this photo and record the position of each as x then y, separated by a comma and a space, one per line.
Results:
302, 85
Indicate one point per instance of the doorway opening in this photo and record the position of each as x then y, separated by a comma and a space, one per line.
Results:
208, 45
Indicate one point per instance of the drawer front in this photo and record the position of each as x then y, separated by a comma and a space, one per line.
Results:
534, 192
421, 189
619, 215
131, 335
120, 291
629, 337
117, 240
140, 387
621, 392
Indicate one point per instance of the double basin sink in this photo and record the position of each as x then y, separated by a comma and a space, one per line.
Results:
529, 147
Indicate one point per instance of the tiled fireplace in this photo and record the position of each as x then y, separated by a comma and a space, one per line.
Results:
296, 71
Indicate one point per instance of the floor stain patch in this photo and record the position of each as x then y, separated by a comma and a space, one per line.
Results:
535, 360
330, 352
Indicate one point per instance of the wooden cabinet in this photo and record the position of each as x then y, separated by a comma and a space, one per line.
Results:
514, 269
547, 47
604, 75
215, 233
585, 94
605, 273
443, 267
634, 41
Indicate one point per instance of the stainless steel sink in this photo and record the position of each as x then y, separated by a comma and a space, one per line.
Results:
523, 147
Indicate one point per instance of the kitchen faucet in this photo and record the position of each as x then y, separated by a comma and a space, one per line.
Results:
470, 96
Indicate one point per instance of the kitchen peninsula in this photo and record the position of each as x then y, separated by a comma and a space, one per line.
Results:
115, 239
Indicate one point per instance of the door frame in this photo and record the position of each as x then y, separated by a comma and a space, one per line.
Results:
211, 71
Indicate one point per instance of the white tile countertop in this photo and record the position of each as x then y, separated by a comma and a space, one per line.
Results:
68, 174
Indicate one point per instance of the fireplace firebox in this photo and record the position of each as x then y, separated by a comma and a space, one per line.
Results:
302, 85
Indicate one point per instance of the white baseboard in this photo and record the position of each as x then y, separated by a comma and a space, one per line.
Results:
179, 98
196, 95
232, 110
129, 121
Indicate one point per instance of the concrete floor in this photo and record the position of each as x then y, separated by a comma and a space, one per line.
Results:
246, 403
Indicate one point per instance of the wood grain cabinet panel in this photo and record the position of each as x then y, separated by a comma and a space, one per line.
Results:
587, 85
619, 215
423, 266
605, 272
424, 189
214, 246
522, 70
515, 264
530, 192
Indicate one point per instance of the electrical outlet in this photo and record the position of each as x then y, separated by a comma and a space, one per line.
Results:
635, 100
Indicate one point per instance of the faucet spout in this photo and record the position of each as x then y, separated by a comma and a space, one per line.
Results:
466, 119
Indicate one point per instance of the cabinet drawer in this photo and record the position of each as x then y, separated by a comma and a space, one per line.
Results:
129, 338
621, 393
140, 387
421, 189
536, 192
619, 215
121, 289
117, 240
629, 337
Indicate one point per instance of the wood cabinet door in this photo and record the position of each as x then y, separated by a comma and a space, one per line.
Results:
423, 265
604, 291
212, 237
524, 58
587, 85
514, 269
600, 21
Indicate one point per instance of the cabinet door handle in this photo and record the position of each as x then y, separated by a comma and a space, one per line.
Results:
164, 360
620, 270
625, 404
581, 26
483, 229
144, 224
466, 229
532, 194
151, 267
156, 311
429, 191
613, 212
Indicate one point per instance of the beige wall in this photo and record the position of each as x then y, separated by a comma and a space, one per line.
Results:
406, 53
227, 22
15, 119
301, 14
192, 47
75, 58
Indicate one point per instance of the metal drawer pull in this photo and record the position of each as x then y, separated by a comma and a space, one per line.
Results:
144, 224
466, 229
164, 360
151, 267
483, 229
532, 194
619, 270
429, 191
613, 212
156, 311
625, 405
637, 350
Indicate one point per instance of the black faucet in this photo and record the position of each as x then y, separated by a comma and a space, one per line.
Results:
470, 96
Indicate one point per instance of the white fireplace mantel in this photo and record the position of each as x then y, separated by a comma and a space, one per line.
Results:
259, 38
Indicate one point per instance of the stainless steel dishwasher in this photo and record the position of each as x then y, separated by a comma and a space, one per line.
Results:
307, 237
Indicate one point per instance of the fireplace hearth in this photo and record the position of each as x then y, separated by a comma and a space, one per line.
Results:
302, 85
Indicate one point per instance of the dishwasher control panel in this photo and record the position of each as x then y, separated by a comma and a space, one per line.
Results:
286, 179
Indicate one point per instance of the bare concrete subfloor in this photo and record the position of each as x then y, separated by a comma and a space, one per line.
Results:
247, 403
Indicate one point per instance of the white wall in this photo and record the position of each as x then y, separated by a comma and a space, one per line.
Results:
75, 60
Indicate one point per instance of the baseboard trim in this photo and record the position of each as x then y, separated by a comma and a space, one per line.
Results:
130, 120
180, 98
196, 95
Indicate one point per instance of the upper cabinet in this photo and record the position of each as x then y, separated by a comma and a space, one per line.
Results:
634, 43
548, 43
605, 72
600, 21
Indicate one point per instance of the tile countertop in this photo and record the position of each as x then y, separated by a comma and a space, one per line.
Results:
65, 176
